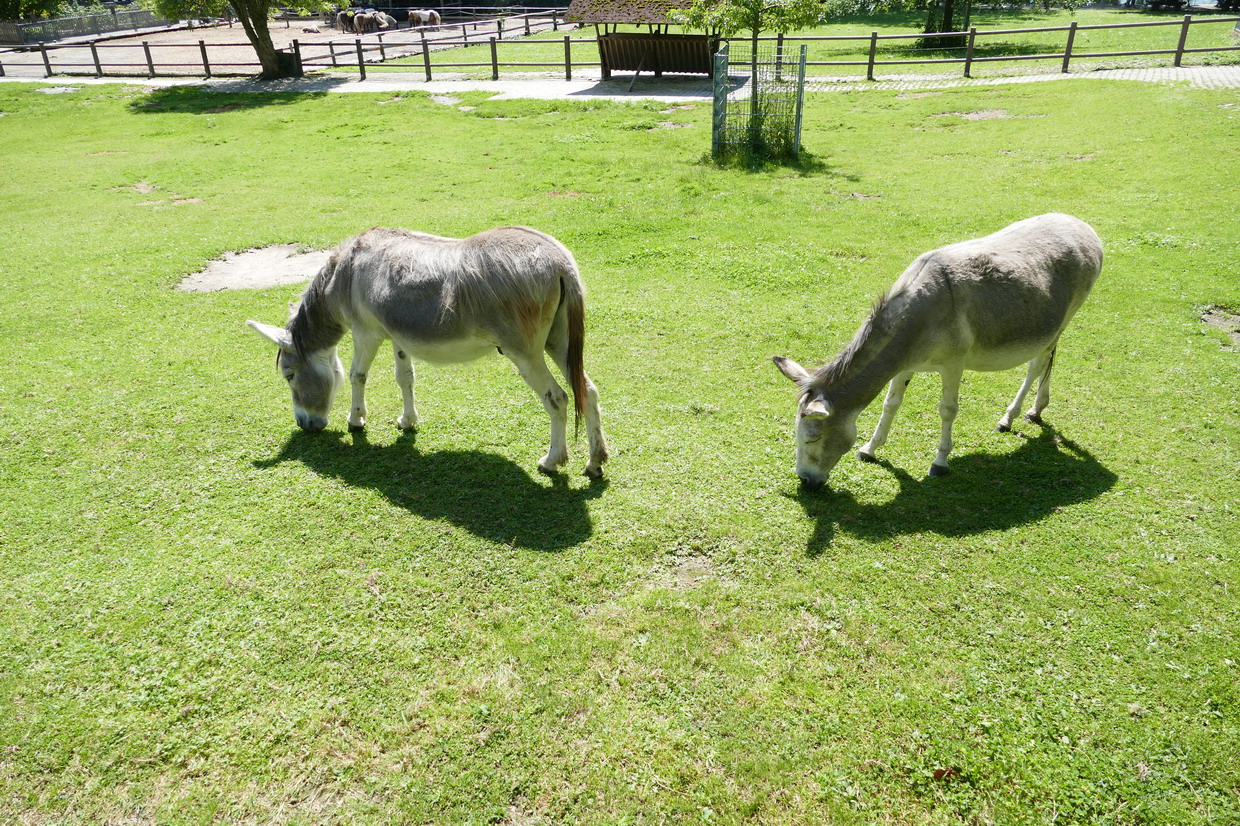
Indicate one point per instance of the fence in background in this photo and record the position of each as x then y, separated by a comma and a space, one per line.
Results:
501, 32
81, 26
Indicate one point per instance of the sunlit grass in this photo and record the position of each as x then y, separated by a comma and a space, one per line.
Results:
211, 617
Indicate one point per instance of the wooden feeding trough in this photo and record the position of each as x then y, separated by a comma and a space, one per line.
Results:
655, 51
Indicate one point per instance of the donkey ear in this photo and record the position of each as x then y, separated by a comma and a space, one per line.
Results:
276, 335
791, 369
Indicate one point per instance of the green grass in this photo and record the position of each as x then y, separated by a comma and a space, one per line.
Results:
209, 617
548, 47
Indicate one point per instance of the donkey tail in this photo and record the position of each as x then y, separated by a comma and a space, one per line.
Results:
572, 294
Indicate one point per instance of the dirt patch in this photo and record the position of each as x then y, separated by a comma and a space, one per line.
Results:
446, 100
671, 124
1225, 321
916, 95
984, 114
141, 186
255, 269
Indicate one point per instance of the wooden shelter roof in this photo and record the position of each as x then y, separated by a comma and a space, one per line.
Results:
644, 12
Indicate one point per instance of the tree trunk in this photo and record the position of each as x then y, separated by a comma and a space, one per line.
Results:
253, 17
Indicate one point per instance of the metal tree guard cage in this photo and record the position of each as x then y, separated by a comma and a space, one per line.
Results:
758, 101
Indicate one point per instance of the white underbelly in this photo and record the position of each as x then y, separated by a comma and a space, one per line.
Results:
452, 351
1004, 358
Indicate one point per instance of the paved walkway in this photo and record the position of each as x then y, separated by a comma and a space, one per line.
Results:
665, 89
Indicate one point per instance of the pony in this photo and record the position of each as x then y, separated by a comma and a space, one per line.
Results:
511, 290
987, 304
423, 17
365, 21
386, 21
344, 20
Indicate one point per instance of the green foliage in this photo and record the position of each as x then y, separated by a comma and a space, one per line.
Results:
727, 17
211, 618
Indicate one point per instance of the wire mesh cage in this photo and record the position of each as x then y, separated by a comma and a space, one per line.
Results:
759, 95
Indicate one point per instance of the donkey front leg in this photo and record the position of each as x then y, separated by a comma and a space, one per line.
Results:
365, 345
404, 380
949, 406
555, 401
891, 404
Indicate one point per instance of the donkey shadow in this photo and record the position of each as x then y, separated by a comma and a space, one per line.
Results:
490, 496
983, 492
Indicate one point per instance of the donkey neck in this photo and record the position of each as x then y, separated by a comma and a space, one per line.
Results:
879, 350
316, 325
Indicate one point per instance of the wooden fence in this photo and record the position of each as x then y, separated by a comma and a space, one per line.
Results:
357, 53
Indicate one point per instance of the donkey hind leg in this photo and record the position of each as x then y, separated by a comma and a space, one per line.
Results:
594, 419
949, 406
404, 380
536, 374
1039, 366
1044, 392
557, 346
365, 345
891, 404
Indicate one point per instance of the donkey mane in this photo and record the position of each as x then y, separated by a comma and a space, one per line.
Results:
313, 326
839, 368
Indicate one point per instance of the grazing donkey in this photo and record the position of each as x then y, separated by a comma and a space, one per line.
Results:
988, 304
513, 290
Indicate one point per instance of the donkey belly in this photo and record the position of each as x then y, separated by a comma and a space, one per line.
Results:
1006, 357
448, 351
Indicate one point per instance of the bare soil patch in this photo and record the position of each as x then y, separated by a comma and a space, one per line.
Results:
1225, 321
256, 269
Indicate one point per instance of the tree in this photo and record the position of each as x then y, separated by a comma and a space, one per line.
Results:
22, 9
253, 15
727, 17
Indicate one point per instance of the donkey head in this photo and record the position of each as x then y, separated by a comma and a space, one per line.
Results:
313, 377
824, 434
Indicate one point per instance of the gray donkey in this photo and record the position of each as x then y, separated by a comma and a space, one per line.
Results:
513, 290
988, 304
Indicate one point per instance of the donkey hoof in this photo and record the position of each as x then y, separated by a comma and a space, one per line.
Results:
357, 428
1034, 418
593, 472
1003, 428
867, 457
938, 470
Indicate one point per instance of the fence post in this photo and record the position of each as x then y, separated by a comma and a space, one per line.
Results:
426, 57
568, 58
719, 100
206, 63
968, 53
779, 56
1067, 49
150, 64
1179, 49
869, 69
527, 25
361, 59
331, 51
499, 28
555, 20
47, 63
382, 52
494, 61
94, 55
301, 69
1, 70
796, 141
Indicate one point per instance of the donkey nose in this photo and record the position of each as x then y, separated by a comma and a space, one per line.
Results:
311, 424
810, 484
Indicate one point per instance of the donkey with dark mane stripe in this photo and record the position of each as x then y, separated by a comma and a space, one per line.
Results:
513, 290
988, 304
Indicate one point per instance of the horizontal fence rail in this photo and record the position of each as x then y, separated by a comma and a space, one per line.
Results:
500, 36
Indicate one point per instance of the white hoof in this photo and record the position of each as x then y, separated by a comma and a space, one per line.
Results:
407, 423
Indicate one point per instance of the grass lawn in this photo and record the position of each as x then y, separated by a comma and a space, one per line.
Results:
209, 617
548, 47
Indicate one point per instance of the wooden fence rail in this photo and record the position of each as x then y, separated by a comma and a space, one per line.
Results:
357, 53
